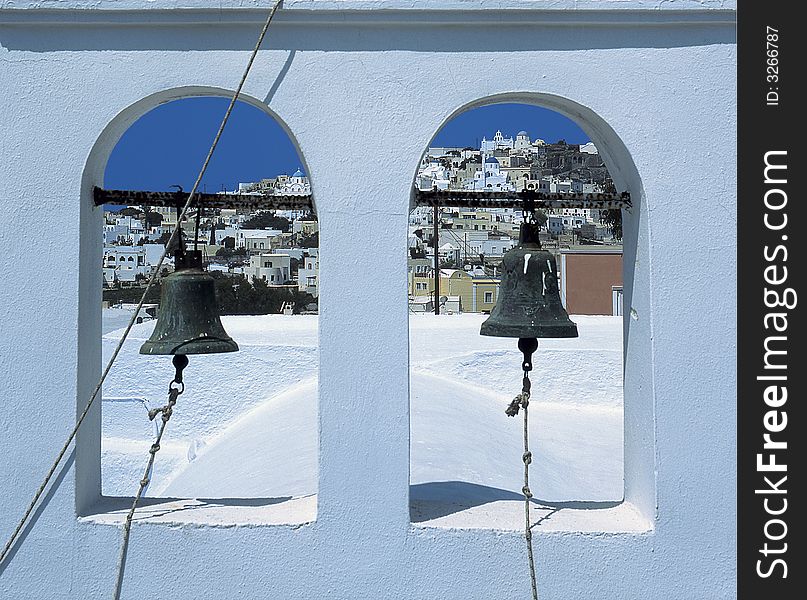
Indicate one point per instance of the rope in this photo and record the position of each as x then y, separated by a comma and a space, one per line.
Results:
152, 280
522, 401
167, 411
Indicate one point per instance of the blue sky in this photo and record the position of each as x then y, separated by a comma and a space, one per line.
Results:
167, 145
468, 128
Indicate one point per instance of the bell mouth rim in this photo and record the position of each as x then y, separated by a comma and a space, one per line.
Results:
216, 346
188, 271
561, 331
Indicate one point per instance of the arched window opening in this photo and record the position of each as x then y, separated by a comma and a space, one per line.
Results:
465, 451
257, 232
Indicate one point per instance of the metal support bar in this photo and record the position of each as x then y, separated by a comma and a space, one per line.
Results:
436, 259
449, 198
177, 199
473, 199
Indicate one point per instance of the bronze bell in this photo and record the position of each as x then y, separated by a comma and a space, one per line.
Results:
529, 300
188, 321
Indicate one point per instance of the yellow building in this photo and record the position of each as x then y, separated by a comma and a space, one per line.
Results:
473, 220
305, 227
477, 294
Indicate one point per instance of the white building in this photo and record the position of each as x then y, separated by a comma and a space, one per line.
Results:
589, 148
123, 264
498, 142
581, 187
558, 224
153, 253
489, 177
169, 215
132, 224
274, 269
415, 244
227, 232
459, 237
554, 185
125, 230
241, 236
562, 186
116, 234
228, 217
449, 252
554, 224
590, 215
296, 184
491, 247
432, 175
308, 273
522, 141
259, 244
421, 216
421, 304
295, 253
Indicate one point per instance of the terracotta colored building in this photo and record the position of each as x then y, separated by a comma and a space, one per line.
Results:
591, 281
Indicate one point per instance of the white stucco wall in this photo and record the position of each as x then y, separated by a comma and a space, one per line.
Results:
653, 87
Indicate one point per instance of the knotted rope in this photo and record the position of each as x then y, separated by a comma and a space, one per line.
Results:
175, 388
521, 402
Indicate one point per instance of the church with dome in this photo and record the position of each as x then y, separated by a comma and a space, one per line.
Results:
502, 164
489, 177
499, 142
296, 183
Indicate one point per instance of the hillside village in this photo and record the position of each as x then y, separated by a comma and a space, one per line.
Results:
278, 251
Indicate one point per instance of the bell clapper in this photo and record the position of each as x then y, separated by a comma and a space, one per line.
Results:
180, 361
528, 346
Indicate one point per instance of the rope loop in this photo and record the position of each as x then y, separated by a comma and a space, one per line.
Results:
523, 401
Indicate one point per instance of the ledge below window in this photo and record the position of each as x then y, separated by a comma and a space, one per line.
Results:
217, 512
508, 515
